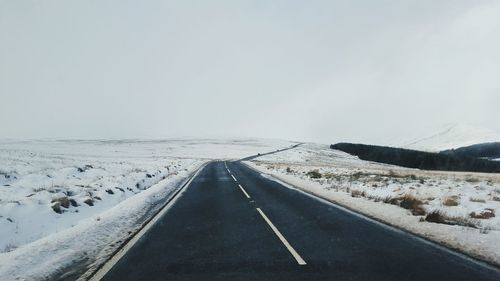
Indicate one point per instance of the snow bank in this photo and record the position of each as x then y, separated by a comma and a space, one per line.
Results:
91, 241
65, 205
364, 187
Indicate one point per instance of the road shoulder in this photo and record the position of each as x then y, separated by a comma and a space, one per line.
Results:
465, 242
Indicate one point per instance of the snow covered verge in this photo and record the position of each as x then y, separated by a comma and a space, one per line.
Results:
73, 251
459, 210
67, 205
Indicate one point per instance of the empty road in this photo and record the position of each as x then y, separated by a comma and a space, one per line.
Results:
231, 223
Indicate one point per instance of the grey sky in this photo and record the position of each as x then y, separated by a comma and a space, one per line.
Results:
325, 71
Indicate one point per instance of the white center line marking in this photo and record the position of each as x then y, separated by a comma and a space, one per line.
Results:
244, 191
297, 257
233, 178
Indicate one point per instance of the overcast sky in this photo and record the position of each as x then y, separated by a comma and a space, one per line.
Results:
325, 71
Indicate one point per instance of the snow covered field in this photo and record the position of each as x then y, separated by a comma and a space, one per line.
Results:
457, 209
67, 202
65, 206
454, 136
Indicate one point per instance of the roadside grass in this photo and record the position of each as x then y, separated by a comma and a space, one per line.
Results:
403, 191
413, 204
314, 174
437, 216
407, 201
357, 193
484, 215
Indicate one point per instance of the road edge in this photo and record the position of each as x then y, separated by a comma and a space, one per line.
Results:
128, 243
454, 250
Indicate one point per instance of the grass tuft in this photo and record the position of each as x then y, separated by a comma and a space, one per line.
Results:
63, 201
89, 201
314, 174
357, 193
436, 217
484, 215
440, 217
472, 180
451, 201
413, 204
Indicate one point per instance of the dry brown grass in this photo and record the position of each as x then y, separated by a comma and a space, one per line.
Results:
451, 201
484, 215
441, 217
413, 204
333, 176
472, 180
436, 217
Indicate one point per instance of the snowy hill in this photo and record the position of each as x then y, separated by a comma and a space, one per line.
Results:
453, 136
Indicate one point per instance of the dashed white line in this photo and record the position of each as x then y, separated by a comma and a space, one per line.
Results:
292, 251
244, 191
283, 240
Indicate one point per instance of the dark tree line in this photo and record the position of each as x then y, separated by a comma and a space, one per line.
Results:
489, 150
418, 159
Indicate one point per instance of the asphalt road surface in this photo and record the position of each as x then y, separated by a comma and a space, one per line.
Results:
231, 223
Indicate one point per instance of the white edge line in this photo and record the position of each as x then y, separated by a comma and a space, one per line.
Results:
325, 201
384, 225
294, 253
244, 191
111, 262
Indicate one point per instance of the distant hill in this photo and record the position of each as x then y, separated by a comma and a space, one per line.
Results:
489, 150
418, 159
452, 137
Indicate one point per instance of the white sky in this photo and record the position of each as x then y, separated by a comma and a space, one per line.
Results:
325, 71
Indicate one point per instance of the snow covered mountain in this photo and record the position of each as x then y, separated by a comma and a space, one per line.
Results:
453, 136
